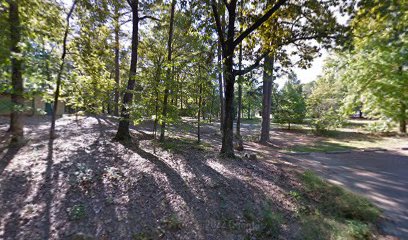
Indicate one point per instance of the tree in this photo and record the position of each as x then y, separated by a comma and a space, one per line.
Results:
376, 67
124, 123
118, 5
325, 104
294, 33
292, 106
27, 50
169, 60
228, 46
17, 98
60, 71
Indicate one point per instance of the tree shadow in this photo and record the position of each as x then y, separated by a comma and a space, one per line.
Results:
14, 188
49, 180
217, 199
11, 152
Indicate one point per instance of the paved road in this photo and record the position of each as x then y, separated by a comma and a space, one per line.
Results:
380, 176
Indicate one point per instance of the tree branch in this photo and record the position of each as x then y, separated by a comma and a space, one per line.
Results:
150, 17
259, 22
259, 59
218, 24
252, 67
226, 4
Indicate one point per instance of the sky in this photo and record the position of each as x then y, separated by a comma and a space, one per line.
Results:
310, 74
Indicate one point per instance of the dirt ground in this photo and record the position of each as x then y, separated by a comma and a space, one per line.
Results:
82, 185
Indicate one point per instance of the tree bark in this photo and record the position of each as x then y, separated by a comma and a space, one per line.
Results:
267, 98
212, 104
403, 118
17, 95
156, 102
169, 55
227, 148
123, 129
238, 127
221, 88
249, 110
60, 71
199, 112
117, 63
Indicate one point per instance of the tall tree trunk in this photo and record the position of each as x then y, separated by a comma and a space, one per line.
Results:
212, 104
156, 103
117, 63
123, 129
267, 98
169, 54
240, 78
181, 96
221, 88
17, 95
403, 118
60, 71
249, 110
238, 130
227, 147
199, 112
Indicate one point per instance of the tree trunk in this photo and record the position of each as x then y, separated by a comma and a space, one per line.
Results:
117, 63
181, 96
60, 71
156, 102
17, 95
403, 118
267, 98
249, 110
199, 112
238, 130
221, 88
169, 55
123, 129
227, 138
212, 104
227, 148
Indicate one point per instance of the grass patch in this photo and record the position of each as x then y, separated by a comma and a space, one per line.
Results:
319, 147
271, 223
251, 121
173, 223
77, 212
266, 224
180, 145
335, 213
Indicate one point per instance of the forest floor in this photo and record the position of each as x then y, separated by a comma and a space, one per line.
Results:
83, 185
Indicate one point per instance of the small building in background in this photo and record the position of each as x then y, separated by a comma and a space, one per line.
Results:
35, 105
